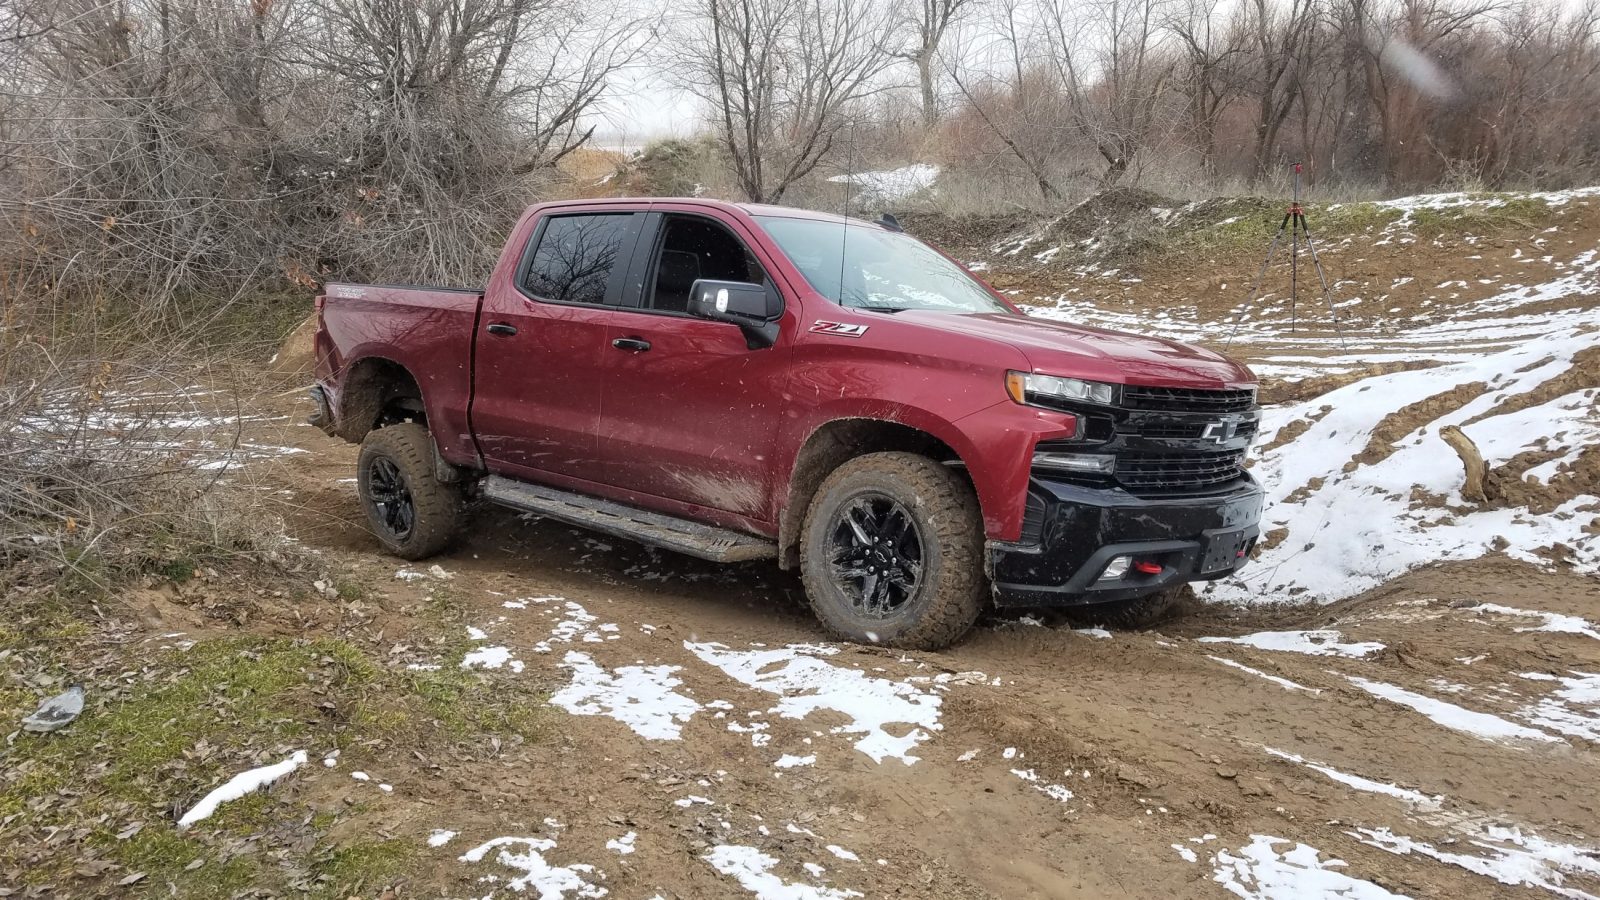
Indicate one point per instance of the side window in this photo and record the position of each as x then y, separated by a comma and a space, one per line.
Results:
576, 256
692, 249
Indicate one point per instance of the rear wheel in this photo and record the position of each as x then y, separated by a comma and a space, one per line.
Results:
892, 552
412, 513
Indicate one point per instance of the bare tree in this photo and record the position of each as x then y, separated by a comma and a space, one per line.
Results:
929, 21
780, 77
1280, 35
1110, 67
1212, 52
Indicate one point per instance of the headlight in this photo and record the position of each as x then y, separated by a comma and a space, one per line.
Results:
1052, 391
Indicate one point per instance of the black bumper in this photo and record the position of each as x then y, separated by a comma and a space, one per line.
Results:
1074, 531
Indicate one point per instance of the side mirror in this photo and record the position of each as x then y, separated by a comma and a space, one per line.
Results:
755, 308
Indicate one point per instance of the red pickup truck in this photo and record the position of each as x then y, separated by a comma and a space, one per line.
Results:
741, 382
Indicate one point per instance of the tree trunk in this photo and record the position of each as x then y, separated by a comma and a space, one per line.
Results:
930, 100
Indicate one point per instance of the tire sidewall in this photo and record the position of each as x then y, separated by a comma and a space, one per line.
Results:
436, 507
829, 601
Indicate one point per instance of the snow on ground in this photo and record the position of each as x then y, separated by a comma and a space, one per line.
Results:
1311, 643
1572, 709
1515, 856
491, 658
546, 881
1284, 683
240, 785
1260, 871
1352, 525
753, 870
890, 185
1457, 718
1553, 622
1416, 799
1054, 791
640, 697
805, 684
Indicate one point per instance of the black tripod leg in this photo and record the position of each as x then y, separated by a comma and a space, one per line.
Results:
1238, 317
1327, 292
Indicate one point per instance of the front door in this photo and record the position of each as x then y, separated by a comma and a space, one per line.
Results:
690, 412
542, 346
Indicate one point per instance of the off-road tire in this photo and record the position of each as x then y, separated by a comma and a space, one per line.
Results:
952, 589
438, 507
1144, 613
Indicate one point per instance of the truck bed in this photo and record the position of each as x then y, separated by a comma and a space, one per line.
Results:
427, 330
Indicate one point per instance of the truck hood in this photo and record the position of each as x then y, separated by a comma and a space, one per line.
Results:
1060, 348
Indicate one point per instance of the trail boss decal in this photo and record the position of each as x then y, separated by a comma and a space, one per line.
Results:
842, 329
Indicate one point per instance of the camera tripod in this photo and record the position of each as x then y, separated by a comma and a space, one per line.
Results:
1294, 222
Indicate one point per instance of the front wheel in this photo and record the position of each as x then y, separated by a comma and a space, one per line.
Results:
892, 552
412, 513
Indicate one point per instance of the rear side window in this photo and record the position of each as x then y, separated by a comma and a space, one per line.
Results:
577, 256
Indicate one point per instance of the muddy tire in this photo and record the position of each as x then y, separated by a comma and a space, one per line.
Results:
412, 513
1136, 615
891, 552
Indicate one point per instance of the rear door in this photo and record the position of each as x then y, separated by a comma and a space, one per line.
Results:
690, 412
542, 344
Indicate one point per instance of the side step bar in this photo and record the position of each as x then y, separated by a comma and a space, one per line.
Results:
621, 520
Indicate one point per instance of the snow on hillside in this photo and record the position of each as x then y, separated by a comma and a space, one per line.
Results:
1347, 512
891, 185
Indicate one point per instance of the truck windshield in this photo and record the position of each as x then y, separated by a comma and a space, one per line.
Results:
869, 268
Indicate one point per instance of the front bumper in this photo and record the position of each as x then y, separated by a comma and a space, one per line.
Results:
1073, 531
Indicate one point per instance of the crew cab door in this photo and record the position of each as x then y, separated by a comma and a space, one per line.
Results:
542, 345
690, 411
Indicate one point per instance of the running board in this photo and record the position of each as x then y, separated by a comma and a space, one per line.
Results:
646, 527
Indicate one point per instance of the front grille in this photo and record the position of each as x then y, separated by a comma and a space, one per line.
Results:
1177, 430
1168, 473
1189, 399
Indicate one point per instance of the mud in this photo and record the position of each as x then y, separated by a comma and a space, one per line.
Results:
1063, 763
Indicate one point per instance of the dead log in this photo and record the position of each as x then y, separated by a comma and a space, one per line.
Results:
1471, 460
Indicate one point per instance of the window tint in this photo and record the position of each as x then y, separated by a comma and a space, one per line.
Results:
693, 249
576, 257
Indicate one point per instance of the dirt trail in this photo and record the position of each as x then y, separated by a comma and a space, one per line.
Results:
1075, 764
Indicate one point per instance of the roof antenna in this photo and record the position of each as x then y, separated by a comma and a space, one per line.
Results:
888, 221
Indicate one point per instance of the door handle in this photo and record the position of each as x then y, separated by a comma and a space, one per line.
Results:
501, 329
637, 345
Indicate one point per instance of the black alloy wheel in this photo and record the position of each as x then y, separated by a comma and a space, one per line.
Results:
875, 555
390, 498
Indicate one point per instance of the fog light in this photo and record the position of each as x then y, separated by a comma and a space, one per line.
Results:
1117, 568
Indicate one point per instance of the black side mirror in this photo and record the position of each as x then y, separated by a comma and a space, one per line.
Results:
755, 308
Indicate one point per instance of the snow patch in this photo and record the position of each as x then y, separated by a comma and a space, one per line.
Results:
641, 697
753, 870
805, 684
1054, 791
1284, 683
1311, 643
891, 185
1258, 871
1516, 857
1456, 718
1413, 798
490, 658
624, 844
240, 785
1573, 709
440, 837
547, 881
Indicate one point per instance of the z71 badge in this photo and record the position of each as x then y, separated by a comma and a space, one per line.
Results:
842, 329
